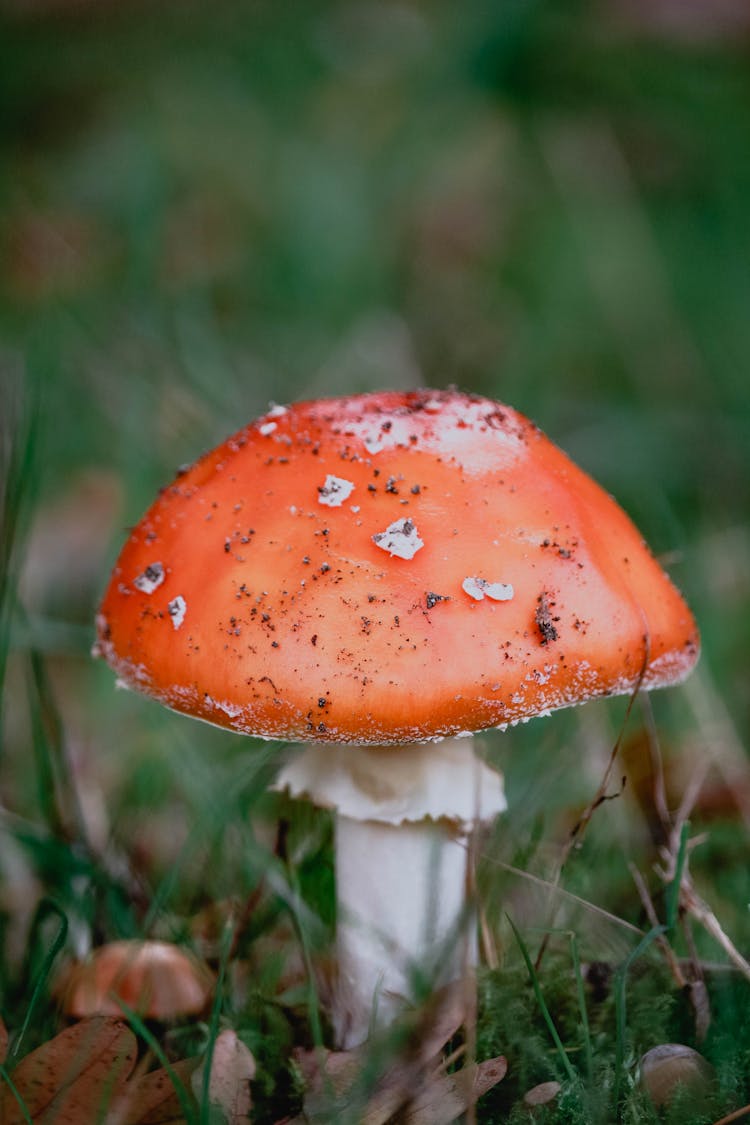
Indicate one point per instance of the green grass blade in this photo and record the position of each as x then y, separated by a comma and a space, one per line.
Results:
313, 1001
11, 1086
58, 796
620, 1004
213, 1027
542, 1004
673, 890
588, 1054
153, 1043
46, 773
18, 442
57, 944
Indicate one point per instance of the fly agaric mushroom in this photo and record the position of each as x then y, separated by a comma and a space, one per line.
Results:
369, 575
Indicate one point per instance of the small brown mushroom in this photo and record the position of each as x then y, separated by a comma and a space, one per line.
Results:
156, 979
665, 1069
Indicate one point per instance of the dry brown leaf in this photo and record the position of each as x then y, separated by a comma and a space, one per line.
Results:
152, 1099
435, 1100
447, 1097
333, 1070
86, 1073
406, 1084
439, 1020
232, 1070
542, 1094
3, 1042
74, 1076
331, 1077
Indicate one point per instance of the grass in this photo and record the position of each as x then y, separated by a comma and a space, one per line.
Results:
204, 209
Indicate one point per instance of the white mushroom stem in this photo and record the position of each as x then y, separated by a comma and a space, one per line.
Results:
403, 819
402, 918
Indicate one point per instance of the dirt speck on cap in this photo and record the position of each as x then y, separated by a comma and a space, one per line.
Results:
432, 598
545, 621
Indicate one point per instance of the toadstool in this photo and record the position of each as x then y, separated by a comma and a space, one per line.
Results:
157, 979
369, 575
669, 1067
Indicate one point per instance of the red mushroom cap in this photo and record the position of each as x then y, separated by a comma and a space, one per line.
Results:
388, 568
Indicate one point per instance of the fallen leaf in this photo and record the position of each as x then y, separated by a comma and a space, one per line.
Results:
153, 1099
408, 1084
542, 1094
448, 1097
73, 1077
232, 1070
438, 1021
86, 1073
335, 1070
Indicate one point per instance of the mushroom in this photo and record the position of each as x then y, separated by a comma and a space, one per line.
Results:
666, 1069
370, 575
157, 979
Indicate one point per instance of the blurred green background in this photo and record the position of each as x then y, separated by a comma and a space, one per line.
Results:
205, 207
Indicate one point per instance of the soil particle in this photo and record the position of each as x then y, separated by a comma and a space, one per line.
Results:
432, 599
545, 621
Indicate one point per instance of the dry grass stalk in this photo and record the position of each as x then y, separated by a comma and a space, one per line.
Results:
648, 906
601, 796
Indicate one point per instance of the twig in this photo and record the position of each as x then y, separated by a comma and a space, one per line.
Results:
657, 765
691, 794
569, 896
698, 909
452, 1058
576, 833
738, 1113
723, 745
690, 901
489, 948
653, 918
